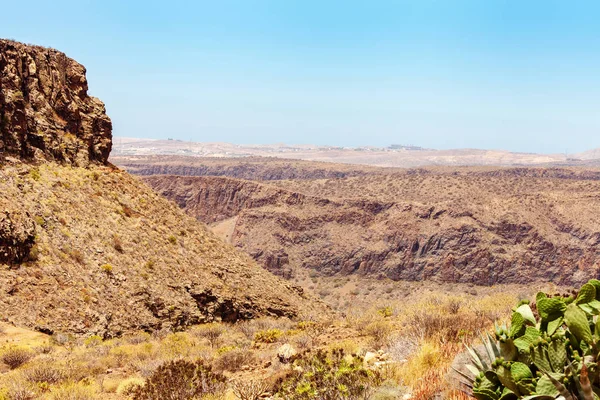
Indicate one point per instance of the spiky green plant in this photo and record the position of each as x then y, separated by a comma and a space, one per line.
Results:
550, 350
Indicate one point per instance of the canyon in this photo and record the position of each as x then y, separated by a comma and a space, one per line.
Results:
481, 225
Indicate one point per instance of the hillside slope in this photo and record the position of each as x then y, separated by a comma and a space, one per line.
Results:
101, 253
86, 248
483, 226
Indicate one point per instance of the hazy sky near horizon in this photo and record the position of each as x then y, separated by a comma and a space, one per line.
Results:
515, 75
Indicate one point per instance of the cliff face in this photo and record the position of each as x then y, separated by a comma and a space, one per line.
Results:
457, 227
45, 111
249, 168
213, 199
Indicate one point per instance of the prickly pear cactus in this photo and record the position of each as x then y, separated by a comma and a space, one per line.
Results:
542, 355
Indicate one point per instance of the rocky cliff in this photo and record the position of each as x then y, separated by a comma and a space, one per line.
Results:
248, 168
484, 227
45, 110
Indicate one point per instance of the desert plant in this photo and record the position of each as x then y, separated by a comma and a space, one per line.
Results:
17, 389
380, 331
73, 391
181, 380
326, 376
118, 243
211, 332
250, 389
267, 336
44, 373
92, 341
129, 386
548, 350
107, 269
14, 357
233, 360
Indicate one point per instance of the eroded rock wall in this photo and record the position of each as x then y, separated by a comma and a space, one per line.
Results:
45, 110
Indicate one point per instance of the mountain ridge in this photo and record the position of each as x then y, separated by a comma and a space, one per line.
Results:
413, 225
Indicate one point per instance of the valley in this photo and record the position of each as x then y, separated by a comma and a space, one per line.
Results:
479, 225
130, 270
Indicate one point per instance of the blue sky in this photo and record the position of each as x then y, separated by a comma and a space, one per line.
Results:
516, 75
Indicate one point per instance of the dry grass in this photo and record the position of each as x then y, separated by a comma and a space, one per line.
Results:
417, 350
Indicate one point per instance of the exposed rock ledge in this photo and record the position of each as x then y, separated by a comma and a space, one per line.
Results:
45, 111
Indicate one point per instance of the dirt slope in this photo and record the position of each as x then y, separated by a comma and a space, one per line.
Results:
104, 254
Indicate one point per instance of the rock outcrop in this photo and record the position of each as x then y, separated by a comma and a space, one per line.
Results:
45, 110
17, 236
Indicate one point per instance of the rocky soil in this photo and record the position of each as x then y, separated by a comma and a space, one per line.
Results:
483, 226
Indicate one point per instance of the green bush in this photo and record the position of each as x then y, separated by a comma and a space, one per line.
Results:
550, 348
107, 269
268, 336
326, 376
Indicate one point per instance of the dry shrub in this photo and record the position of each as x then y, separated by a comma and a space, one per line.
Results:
138, 338
63, 339
211, 332
14, 357
129, 386
380, 331
45, 348
359, 319
76, 371
18, 389
425, 371
118, 243
147, 368
303, 342
181, 380
73, 391
446, 327
433, 385
234, 360
250, 389
249, 328
401, 347
44, 372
